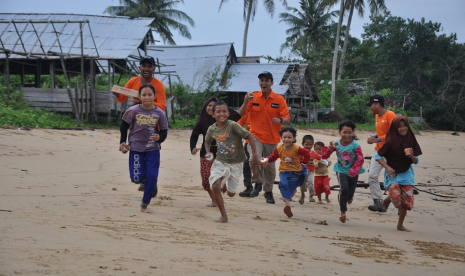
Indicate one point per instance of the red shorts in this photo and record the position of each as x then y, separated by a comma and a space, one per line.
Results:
321, 184
401, 195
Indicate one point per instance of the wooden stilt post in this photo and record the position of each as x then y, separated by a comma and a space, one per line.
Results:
7, 79
68, 88
172, 103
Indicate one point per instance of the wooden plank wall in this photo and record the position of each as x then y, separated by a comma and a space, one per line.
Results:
57, 100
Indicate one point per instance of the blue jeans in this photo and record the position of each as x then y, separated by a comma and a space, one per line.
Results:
145, 165
289, 181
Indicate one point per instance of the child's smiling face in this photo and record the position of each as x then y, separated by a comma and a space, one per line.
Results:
347, 135
402, 129
221, 113
209, 108
308, 144
287, 138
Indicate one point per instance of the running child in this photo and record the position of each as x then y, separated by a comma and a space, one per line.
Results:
292, 171
204, 121
321, 182
226, 170
307, 143
401, 150
349, 164
148, 128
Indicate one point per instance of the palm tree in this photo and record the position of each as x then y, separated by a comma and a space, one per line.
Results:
309, 26
376, 7
164, 12
336, 50
250, 8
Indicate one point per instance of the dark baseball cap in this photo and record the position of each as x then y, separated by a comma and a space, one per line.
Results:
376, 99
266, 74
147, 58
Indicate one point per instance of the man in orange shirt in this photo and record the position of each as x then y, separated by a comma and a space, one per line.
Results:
383, 119
146, 68
266, 111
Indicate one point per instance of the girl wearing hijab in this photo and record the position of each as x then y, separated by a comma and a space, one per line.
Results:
401, 150
203, 122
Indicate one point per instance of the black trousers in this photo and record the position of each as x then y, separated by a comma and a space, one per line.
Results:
347, 190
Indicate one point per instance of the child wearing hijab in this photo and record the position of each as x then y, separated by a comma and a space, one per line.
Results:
401, 150
204, 121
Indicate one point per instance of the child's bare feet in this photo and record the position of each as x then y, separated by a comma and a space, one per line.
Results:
320, 202
343, 218
302, 199
287, 211
402, 228
213, 204
222, 220
146, 210
311, 199
328, 201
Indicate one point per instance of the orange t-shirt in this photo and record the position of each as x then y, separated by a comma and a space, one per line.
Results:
262, 111
382, 126
290, 159
135, 83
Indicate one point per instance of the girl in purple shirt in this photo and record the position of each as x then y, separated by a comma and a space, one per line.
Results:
148, 128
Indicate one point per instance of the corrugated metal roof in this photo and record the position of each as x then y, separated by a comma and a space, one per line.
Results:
116, 37
245, 76
191, 62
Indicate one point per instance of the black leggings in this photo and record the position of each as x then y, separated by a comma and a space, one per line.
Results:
347, 190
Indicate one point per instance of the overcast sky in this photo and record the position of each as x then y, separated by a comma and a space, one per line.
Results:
266, 34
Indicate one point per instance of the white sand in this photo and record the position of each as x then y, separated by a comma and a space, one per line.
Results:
68, 208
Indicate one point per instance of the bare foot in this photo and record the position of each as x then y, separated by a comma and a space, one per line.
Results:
402, 228
213, 204
222, 220
287, 211
146, 210
320, 202
302, 199
329, 201
350, 201
343, 218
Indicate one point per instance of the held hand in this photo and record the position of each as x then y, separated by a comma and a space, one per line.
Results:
122, 146
331, 147
391, 172
372, 140
194, 151
275, 121
247, 98
155, 137
264, 161
254, 164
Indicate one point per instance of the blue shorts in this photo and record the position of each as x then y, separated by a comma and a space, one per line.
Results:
289, 181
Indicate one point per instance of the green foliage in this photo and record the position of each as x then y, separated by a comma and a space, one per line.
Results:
16, 112
191, 100
166, 17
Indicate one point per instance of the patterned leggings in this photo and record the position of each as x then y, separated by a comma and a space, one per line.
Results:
205, 167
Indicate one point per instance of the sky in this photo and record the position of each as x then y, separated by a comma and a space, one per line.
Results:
266, 33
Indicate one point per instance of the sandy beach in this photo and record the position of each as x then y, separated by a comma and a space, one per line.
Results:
67, 207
